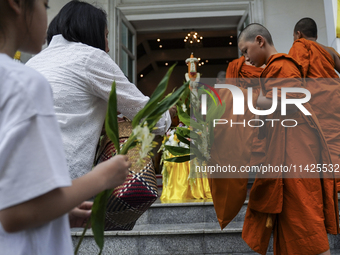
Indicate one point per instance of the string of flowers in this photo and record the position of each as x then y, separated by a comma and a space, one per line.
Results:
143, 124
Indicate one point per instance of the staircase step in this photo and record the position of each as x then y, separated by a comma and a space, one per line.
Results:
179, 228
195, 238
188, 212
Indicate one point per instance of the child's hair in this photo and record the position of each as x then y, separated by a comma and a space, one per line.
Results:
28, 7
80, 22
250, 32
306, 26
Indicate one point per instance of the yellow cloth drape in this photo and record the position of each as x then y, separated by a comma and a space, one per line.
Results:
178, 189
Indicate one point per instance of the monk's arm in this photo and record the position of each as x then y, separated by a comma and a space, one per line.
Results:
337, 62
335, 55
265, 103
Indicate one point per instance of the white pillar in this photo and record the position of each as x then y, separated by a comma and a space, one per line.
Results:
331, 11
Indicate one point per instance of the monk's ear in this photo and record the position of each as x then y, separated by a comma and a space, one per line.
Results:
299, 35
260, 40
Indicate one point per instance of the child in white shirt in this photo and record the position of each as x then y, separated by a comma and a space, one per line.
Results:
35, 189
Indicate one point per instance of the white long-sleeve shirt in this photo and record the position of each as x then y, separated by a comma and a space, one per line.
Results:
81, 77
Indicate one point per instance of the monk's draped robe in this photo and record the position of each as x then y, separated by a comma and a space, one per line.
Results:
232, 147
324, 85
303, 209
245, 148
247, 76
230, 193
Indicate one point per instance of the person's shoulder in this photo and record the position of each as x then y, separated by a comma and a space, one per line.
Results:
329, 53
26, 85
279, 60
302, 42
20, 74
282, 65
299, 46
24, 93
76, 51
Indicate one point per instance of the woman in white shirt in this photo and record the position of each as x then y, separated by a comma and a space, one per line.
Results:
81, 73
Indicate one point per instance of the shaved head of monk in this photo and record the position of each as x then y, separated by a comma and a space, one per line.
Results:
305, 28
256, 44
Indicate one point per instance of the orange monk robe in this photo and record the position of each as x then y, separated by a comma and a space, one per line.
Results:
239, 69
247, 76
232, 147
303, 209
325, 101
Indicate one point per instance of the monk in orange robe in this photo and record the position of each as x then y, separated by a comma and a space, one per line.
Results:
319, 61
300, 210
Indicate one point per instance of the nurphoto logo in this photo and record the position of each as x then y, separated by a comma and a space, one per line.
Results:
239, 105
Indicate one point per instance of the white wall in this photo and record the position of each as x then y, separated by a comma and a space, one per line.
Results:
281, 16
56, 5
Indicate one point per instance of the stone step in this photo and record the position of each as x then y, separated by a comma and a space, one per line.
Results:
188, 212
165, 239
179, 228
194, 238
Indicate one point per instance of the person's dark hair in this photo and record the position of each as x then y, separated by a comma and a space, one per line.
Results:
80, 22
307, 27
250, 32
53, 29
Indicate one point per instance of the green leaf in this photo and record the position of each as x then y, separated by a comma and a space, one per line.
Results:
98, 217
180, 159
193, 147
183, 140
198, 115
154, 99
163, 106
129, 144
195, 151
185, 118
195, 136
215, 112
186, 133
183, 131
111, 121
185, 98
177, 151
168, 102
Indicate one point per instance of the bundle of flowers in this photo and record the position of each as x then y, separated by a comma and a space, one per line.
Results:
200, 134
